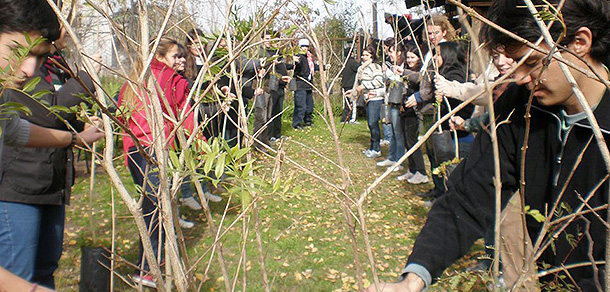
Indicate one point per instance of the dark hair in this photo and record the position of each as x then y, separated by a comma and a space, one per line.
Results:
190, 66
515, 17
29, 16
413, 49
454, 58
399, 47
371, 49
182, 51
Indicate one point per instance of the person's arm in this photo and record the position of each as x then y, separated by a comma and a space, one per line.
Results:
41, 137
466, 211
12, 283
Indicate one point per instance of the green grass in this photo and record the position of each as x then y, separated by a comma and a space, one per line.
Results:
306, 243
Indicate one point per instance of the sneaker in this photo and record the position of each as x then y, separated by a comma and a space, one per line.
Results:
212, 198
145, 280
191, 203
384, 142
418, 178
273, 140
398, 168
354, 122
405, 176
185, 223
429, 194
385, 162
373, 154
428, 204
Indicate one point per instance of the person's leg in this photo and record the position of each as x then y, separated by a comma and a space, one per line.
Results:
308, 108
49, 244
411, 132
397, 144
277, 105
146, 177
19, 232
387, 131
299, 108
261, 104
373, 112
347, 107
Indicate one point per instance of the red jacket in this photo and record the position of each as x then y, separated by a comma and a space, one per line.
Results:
175, 89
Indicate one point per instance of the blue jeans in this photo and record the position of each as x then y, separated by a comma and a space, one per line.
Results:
397, 142
373, 114
142, 173
303, 107
387, 131
31, 239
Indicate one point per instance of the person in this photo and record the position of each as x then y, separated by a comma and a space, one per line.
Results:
272, 72
394, 99
438, 30
369, 82
411, 118
207, 106
23, 20
451, 63
173, 101
185, 187
563, 163
279, 70
386, 125
304, 69
348, 77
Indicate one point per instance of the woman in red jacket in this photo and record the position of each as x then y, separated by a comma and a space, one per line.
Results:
173, 99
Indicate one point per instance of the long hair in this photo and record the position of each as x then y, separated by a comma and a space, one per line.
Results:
443, 22
130, 97
454, 60
400, 48
192, 38
373, 51
413, 49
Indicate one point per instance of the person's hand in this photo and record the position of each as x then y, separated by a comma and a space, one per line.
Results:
359, 89
261, 73
411, 101
348, 93
258, 91
371, 94
443, 86
296, 59
286, 79
412, 283
89, 136
225, 90
398, 70
456, 123
327, 67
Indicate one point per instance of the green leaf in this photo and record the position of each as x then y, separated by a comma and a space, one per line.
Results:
209, 162
220, 165
240, 153
29, 86
174, 158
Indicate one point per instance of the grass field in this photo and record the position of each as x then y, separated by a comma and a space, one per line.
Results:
306, 243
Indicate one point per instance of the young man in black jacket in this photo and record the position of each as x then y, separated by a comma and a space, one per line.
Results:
304, 69
565, 172
18, 236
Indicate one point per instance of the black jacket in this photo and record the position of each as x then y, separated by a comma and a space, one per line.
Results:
463, 215
301, 73
349, 74
43, 176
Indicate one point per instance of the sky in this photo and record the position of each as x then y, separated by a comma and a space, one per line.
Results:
210, 13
